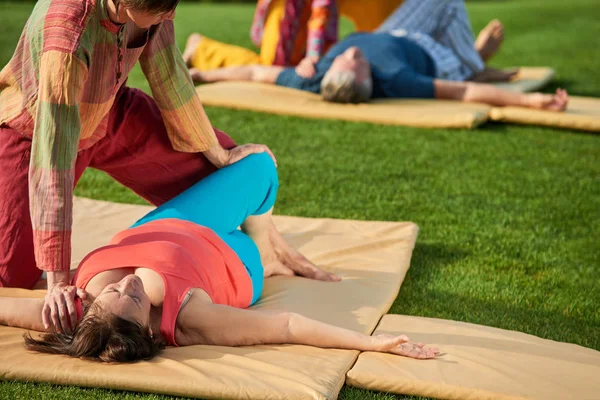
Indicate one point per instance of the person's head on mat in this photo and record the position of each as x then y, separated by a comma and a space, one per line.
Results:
348, 80
114, 328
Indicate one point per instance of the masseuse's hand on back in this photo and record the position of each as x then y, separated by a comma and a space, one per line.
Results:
59, 312
221, 157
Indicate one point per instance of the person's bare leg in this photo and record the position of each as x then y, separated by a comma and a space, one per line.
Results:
190, 48
490, 40
277, 256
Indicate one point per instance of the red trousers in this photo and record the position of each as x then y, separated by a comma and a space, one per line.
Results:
135, 151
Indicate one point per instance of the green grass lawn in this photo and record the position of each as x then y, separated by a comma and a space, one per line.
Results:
509, 215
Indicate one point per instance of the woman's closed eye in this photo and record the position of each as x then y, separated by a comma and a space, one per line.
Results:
136, 299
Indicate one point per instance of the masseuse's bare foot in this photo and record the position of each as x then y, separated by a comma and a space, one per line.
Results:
549, 102
190, 48
490, 39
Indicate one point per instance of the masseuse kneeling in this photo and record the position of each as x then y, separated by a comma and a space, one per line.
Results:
65, 105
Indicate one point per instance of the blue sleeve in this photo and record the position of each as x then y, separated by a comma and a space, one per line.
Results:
289, 78
406, 83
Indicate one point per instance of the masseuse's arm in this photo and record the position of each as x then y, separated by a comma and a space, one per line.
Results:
187, 124
62, 74
227, 326
22, 313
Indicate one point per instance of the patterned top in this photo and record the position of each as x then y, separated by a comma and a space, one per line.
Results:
58, 89
319, 17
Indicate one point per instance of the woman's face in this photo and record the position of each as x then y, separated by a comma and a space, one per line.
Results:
126, 299
145, 20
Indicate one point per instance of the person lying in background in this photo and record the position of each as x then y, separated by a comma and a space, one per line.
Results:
285, 31
368, 66
442, 28
439, 26
184, 274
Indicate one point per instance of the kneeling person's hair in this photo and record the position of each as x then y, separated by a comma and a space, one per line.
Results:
342, 87
100, 336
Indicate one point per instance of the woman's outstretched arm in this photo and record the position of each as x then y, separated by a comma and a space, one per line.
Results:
22, 313
205, 323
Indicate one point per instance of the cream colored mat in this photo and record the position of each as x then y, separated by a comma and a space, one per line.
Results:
285, 101
372, 257
479, 363
583, 113
406, 112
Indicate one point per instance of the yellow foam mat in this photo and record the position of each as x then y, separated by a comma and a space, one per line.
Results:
372, 258
406, 112
285, 101
479, 363
583, 113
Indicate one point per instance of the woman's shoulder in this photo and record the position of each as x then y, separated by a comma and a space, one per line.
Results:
194, 301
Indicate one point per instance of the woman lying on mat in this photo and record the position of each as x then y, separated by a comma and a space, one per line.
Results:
184, 274
384, 65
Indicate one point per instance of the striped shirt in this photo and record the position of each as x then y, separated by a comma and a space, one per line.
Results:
442, 28
58, 89
317, 19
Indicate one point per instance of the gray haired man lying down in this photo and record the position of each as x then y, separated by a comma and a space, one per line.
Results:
366, 66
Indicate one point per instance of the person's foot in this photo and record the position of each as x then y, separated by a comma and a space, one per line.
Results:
489, 75
287, 259
550, 102
490, 39
190, 48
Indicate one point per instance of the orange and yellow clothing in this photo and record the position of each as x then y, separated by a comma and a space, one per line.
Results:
286, 31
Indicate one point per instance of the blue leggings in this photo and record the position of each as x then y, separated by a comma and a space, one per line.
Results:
222, 201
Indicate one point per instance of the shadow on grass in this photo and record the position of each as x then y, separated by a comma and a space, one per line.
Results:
428, 255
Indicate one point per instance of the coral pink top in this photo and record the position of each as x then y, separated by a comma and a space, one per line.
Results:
185, 255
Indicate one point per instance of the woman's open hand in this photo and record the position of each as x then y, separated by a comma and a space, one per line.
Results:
402, 346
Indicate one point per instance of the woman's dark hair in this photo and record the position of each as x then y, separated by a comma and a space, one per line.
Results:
151, 6
100, 336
